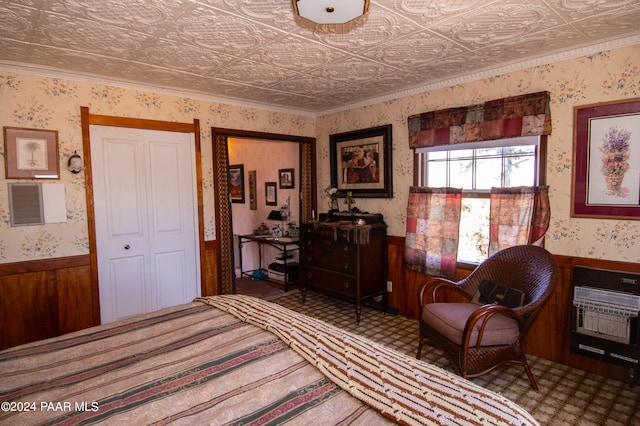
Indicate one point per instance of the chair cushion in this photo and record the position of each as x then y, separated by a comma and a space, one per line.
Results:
449, 320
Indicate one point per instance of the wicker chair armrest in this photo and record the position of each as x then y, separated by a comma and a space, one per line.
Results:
482, 316
428, 290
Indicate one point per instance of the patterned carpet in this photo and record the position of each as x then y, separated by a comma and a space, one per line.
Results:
566, 396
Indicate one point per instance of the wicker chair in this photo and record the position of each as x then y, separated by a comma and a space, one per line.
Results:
478, 338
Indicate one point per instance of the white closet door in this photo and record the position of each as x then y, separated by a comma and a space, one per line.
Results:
146, 219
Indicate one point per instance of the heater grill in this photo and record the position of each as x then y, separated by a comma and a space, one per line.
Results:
605, 315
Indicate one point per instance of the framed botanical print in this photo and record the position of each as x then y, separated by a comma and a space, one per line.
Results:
31, 153
606, 168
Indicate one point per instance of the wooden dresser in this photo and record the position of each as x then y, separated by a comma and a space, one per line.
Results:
345, 260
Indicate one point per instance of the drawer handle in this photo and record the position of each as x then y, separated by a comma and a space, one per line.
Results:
309, 258
309, 274
346, 265
346, 284
345, 248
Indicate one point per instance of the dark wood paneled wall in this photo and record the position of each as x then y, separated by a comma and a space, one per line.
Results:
548, 336
46, 298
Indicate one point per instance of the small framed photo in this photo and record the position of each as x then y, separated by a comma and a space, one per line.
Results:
236, 183
287, 179
606, 167
31, 153
270, 193
361, 162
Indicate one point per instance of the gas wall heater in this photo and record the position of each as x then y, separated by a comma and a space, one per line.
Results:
605, 316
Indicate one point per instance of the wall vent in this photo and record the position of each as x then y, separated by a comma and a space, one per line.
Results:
25, 204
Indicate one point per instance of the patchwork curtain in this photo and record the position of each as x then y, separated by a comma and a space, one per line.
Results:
518, 215
433, 224
523, 115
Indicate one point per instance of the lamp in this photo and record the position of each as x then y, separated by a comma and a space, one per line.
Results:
277, 216
330, 11
74, 165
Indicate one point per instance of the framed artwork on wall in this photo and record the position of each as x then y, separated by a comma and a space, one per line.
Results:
361, 162
236, 183
270, 192
287, 179
253, 201
606, 167
31, 153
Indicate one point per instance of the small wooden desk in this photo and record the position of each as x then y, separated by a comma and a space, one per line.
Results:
284, 244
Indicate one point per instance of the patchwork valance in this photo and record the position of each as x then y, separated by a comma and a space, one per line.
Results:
523, 115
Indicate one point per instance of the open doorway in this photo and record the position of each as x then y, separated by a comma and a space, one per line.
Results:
306, 191
265, 178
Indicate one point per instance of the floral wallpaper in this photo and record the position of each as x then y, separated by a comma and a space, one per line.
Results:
606, 76
52, 103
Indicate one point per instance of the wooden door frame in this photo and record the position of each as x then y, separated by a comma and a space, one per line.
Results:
87, 119
224, 228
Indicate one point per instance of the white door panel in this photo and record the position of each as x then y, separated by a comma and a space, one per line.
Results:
146, 220
128, 295
165, 188
171, 269
124, 189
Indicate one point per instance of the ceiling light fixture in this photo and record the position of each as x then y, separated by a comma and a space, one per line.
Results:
330, 11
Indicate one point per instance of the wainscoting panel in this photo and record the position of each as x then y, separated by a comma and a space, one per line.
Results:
45, 298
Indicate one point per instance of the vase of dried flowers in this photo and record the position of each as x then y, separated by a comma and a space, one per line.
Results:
615, 157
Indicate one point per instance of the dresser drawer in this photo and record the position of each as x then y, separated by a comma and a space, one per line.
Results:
330, 282
343, 264
322, 243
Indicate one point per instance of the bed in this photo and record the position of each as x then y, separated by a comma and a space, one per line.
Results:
234, 359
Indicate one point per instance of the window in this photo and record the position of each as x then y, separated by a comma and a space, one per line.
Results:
476, 167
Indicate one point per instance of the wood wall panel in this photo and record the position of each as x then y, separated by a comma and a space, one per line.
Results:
44, 298
211, 276
29, 308
75, 299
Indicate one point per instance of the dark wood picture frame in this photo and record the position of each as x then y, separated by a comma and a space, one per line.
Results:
271, 193
286, 178
606, 166
361, 162
253, 190
236, 183
31, 153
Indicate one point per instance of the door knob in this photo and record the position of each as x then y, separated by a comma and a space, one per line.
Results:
127, 246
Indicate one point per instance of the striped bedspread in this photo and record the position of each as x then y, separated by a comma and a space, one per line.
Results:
233, 360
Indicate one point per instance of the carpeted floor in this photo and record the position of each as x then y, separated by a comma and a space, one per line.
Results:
566, 396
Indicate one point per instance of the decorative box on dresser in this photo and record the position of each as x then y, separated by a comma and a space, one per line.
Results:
343, 259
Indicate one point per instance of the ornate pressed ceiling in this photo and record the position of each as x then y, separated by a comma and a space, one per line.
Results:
260, 53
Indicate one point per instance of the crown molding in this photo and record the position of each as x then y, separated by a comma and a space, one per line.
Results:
43, 71
492, 72
532, 62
